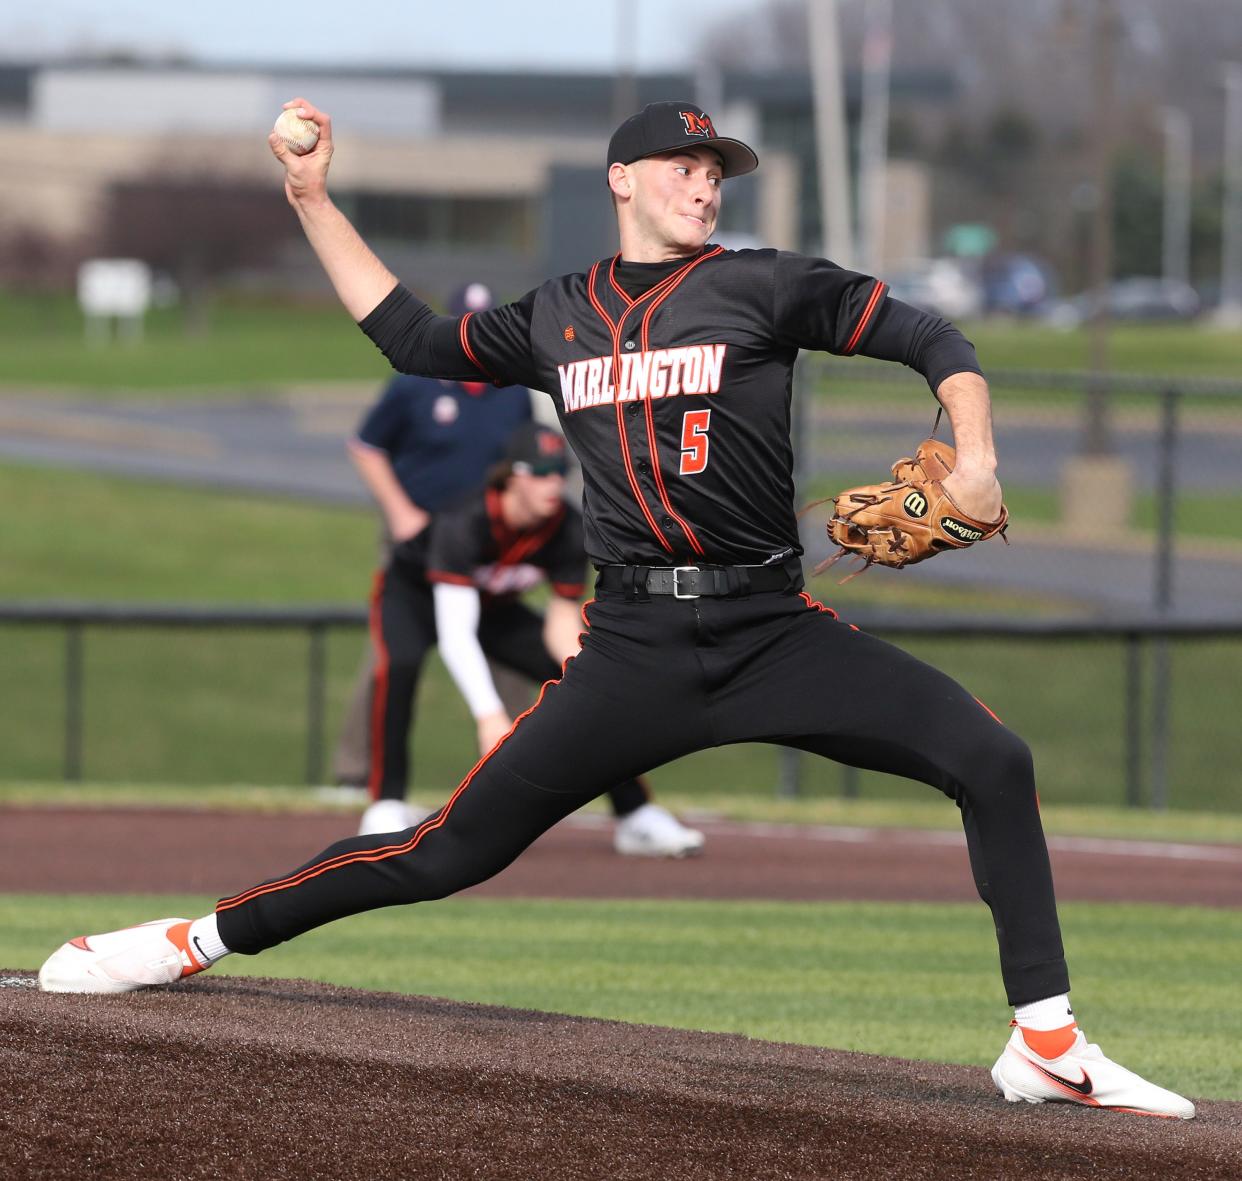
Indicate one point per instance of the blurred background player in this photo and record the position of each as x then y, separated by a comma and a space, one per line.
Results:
423, 444
459, 582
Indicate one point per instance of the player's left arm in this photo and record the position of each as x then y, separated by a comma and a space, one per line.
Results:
562, 624
972, 484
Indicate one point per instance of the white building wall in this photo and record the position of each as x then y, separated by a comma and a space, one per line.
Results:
154, 101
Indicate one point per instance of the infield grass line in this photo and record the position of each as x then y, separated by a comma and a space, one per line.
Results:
1155, 986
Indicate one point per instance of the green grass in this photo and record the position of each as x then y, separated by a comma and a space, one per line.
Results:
1214, 515
929, 811
251, 343
264, 342
1148, 349
158, 701
916, 981
78, 535
229, 707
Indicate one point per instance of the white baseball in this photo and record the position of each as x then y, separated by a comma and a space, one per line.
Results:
300, 135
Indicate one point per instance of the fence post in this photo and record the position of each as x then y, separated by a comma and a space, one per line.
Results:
1134, 723
315, 704
73, 701
1165, 541
788, 773
850, 781
789, 761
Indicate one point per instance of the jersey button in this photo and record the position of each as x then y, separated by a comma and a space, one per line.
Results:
667, 522
642, 465
632, 408
629, 344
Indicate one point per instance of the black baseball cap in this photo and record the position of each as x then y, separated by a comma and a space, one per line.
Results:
535, 450
665, 127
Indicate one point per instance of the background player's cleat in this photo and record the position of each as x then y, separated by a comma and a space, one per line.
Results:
390, 816
652, 831
1081, 1075
122, 961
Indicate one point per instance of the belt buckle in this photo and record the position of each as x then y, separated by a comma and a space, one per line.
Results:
683, 570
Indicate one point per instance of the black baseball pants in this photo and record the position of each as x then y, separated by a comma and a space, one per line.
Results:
403, 632
661, 678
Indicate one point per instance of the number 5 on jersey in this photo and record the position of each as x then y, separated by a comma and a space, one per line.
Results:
694, 441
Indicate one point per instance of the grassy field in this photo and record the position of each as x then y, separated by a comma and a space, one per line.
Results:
251, 344
256, 343
1216, 516
916, 981
158, 702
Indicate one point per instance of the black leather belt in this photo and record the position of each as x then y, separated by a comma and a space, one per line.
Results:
693, 582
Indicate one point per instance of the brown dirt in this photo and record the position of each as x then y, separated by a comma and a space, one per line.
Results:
151, 850
229, 1077
285, 1079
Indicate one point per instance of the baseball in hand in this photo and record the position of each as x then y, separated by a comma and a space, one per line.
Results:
300, 135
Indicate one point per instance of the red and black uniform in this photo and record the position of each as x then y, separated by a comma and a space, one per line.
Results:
673, 384
470, 545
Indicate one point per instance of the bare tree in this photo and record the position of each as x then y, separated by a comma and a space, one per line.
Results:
198, 228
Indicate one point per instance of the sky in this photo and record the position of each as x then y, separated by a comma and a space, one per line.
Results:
545, 35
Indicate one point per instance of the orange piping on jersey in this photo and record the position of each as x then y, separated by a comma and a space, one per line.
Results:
464, 337
877, 293
379, 699
676, 279
625, 444
989, 712
621, 291
816, 605
446, 576
383, 852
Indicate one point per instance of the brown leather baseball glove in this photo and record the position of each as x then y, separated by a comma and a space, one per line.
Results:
909, 520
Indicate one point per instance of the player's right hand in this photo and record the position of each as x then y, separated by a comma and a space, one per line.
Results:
408, 523
306, 177
492, 728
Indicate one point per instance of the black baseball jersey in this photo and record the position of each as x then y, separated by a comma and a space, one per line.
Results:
677, 402
471, 545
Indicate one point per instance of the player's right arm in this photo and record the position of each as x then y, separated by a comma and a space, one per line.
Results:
457, 631
360, 279
404, 518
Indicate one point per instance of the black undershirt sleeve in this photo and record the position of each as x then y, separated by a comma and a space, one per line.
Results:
923, 341
416, 340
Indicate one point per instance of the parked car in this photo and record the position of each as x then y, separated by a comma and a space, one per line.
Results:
939, 285
1016, 285
1138, 298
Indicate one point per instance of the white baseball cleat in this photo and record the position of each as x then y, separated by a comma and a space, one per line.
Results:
1081, 1075
390, 816
652, 831
123, 961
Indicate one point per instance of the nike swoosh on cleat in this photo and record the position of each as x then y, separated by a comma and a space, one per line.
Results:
1083, 1088
80, 943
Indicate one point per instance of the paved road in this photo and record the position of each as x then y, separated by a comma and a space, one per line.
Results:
293, 445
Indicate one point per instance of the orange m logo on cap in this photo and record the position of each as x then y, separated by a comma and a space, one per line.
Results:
697, 124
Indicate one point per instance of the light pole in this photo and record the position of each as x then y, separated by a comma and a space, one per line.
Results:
831, 146
1176, 229
877, 55
1231, 212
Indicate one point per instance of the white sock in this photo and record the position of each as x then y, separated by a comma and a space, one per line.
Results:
1052, 1012
204, 939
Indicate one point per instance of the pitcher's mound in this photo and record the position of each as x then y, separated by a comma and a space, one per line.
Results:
245, 1078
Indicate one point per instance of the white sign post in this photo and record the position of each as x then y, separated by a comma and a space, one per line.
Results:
114, 287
